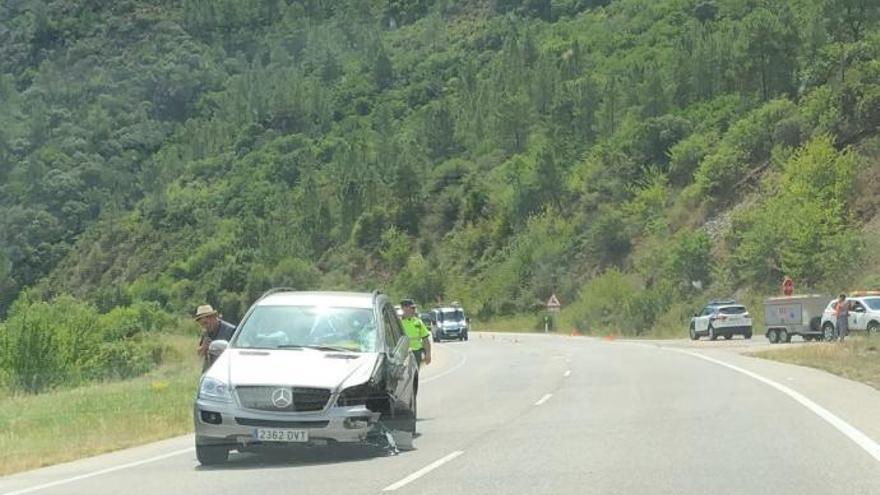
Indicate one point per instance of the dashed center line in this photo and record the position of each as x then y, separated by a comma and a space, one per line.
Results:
543, 399
421, 472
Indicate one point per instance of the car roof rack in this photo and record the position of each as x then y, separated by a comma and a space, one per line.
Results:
719, 302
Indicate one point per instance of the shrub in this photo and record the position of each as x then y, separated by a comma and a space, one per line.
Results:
65, 341
603, 303
43, 343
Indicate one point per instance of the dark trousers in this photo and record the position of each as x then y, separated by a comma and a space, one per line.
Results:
419, 354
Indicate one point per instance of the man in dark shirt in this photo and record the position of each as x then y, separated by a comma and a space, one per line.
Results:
213, 328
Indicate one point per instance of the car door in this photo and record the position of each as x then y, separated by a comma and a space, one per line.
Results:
398, 374
857, 316
701, 322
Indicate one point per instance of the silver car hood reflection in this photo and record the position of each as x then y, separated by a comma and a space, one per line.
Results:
299, 368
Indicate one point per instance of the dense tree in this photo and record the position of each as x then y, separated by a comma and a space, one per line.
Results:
490, 152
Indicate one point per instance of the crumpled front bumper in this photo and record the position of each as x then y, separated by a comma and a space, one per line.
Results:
236, 425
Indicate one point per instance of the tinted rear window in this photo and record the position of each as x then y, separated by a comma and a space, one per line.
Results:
733, 310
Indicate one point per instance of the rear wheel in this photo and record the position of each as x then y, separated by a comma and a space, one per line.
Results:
773, 336
784, 336
873, 327
748, 335
728, 336
712, 335
210, 455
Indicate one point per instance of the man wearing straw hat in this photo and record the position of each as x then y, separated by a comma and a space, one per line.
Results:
213, 328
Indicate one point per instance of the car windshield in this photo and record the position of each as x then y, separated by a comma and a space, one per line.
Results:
733, 310
873, 303
451, 315
290, 327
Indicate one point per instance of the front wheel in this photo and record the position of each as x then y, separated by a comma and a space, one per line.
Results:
747, 335
693, 333
712, 335
828, 331
728, 336
210, 455
873, 327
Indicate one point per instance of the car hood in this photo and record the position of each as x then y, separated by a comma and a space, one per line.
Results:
294, 367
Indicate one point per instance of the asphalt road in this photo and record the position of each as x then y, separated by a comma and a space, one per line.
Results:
534, 414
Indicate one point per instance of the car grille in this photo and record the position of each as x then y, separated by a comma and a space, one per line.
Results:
304, 399
271, 423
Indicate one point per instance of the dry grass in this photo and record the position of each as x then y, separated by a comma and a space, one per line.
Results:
63, 425
857, 359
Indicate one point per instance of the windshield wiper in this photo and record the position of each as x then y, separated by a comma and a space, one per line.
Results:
329, 348
315, 347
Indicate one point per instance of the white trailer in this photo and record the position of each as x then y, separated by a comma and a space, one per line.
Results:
787, 316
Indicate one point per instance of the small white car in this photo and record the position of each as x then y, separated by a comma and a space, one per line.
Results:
864, 314
721, 319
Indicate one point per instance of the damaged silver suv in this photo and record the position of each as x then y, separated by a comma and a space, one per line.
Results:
307, 368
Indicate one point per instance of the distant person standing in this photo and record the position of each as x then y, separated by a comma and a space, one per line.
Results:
787, 286
418, 334
213, 328
841, 313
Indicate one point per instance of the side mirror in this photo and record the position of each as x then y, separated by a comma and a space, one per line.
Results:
217, 347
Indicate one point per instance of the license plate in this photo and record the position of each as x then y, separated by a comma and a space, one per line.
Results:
280, 435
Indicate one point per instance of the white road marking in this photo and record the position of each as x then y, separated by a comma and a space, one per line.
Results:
421, 472
450, 370
854, 434
99, 472
567, 373
543, 399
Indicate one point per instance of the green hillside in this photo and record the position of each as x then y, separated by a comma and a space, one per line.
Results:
633, 156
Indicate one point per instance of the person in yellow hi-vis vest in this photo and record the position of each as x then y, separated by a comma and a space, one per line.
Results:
418, 334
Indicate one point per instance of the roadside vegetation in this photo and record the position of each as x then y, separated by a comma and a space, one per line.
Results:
857, 358
71, 423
